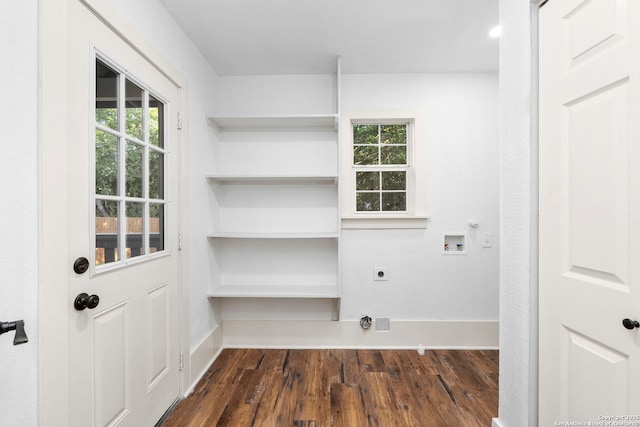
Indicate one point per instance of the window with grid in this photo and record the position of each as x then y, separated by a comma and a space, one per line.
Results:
380, 165
129, 199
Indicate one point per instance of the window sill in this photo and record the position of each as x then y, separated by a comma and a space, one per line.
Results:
388, 222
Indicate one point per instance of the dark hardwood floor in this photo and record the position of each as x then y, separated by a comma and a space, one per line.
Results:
349, 388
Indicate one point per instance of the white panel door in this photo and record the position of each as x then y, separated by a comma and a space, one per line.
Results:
589, 211
123, 170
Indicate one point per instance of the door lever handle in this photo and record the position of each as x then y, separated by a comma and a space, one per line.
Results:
18, 326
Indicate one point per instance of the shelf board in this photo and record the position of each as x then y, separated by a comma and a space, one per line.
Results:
304, 122
273, 179
239, 235
274, 291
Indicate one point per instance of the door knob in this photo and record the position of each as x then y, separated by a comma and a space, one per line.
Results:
85, 300
630, 324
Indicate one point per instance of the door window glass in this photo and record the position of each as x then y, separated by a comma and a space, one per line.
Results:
130, 162
106, 96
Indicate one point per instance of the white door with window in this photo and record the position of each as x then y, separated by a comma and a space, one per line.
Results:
123, 290
589, 212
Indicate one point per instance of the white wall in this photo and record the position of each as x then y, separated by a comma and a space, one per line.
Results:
462, 122
160, 31
462, 183
518, 294
293, 94
18, 214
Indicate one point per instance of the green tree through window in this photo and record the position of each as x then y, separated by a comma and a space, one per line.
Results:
380, 162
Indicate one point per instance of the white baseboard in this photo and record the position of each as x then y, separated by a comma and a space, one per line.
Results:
204, 354
293, 334
495, 422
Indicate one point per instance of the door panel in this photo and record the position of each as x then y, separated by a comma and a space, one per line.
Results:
589, 199
595, 378
585, 40
124, 352
112, 367
596, 146
158, 348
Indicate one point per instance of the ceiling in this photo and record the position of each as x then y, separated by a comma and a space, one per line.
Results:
264, 37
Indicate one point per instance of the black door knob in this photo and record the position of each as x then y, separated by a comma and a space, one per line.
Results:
93, 301
85, 300
630, 324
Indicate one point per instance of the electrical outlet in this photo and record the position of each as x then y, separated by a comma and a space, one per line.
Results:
487, 240
380, 274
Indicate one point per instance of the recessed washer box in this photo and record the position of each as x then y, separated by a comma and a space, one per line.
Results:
454, 243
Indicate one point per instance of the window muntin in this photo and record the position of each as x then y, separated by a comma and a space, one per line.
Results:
380, 163
130, 162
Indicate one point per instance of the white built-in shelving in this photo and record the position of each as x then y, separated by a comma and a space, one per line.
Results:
273, 179
276, 266
281, 235
304, 122
275, 206
273, 291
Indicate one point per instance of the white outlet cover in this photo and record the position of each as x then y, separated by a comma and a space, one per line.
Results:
487, 240
380, 274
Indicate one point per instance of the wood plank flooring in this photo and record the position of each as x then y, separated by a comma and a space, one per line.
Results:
346, 388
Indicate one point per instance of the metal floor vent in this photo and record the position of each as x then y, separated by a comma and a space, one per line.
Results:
383, 324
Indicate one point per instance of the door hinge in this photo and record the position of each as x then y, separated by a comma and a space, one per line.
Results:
179, 121
179, 241
181, 362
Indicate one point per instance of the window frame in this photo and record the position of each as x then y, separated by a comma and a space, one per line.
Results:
415, 214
